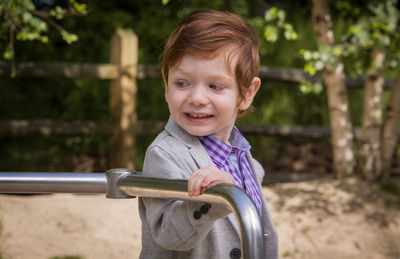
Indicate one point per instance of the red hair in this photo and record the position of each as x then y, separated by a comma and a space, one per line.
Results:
206, 32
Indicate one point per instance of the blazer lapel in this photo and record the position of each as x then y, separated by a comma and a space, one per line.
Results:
196, 149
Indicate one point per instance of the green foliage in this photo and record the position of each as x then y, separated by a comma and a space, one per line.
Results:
69, 37
275, 23
22, 21
281, 104
316, 62
374, 28
377, 29
308, 87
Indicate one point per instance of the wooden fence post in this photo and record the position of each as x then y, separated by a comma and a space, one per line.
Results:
123, 92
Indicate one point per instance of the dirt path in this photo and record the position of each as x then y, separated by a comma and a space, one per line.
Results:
320, 219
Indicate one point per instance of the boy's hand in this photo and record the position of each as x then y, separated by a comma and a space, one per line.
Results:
207, 177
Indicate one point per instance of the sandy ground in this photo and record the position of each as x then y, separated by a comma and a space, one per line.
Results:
318, 219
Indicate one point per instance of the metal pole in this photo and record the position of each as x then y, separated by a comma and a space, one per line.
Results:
53, 183
124, 183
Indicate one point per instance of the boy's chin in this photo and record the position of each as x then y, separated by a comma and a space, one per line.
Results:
197, 132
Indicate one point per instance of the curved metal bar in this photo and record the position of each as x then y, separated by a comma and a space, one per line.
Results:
124, 183
53, 183
238, 200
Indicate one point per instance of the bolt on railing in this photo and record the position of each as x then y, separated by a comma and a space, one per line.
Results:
125, 183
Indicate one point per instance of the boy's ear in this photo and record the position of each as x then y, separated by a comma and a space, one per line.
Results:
249, 95
165, 93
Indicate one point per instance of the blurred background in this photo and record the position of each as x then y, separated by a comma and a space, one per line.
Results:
73, 98
287, 37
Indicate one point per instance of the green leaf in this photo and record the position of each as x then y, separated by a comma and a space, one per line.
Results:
58, 12
44, 39
271, 33
165, 2
8, 54
315, 55
337, 50
310, 69
319, 65
81, 8
69, 37
317, 88
307, 55
281, 16
324, 57
385, 40
271, 14
353, 30
26, 16
289, 33
305, 87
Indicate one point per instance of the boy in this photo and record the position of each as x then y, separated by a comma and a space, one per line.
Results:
210, 66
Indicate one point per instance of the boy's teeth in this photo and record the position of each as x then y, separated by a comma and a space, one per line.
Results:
198, 115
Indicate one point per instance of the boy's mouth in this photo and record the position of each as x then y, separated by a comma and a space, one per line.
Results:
198, 115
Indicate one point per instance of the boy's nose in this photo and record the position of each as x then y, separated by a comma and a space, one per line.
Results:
198, 96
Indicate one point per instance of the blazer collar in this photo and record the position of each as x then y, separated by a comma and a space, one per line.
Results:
194, 145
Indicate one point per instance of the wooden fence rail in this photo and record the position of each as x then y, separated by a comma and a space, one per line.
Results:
110, 71
123, 71
77, 70
53, 128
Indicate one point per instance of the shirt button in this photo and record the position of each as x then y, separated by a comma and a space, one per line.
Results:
235, 253
204, 208
197, 215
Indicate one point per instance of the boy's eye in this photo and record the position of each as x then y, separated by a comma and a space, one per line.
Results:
181, 83
214, 87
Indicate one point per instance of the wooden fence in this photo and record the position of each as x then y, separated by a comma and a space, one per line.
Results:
124, 71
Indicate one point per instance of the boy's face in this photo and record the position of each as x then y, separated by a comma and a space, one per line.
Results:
203, 97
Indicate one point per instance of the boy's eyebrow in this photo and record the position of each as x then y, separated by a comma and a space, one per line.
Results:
215, 76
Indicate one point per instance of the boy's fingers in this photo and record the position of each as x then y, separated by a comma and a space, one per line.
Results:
201, 180
194, 183
206, 177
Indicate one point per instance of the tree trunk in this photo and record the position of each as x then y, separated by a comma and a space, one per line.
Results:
369, 163
390, 130
334, 78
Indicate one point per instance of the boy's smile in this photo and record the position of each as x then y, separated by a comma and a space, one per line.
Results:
203, 96
196, 116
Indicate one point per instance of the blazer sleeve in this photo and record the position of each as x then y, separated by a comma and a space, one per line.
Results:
176, 224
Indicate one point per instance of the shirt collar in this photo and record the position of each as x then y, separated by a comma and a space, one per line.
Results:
219, 150
239, 141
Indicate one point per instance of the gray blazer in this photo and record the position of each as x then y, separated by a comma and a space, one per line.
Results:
175, 228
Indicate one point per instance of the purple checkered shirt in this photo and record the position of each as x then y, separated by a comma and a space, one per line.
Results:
223, 156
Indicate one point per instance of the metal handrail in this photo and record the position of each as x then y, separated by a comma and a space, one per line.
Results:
125, 183
53, 183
